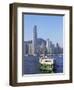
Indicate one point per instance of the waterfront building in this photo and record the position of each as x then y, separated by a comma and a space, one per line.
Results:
25, 49
58, 49
28, 48
43, 48
50, 47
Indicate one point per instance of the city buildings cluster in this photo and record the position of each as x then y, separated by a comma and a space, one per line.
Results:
39, 46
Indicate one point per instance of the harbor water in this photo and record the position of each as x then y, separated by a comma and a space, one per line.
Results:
31, 65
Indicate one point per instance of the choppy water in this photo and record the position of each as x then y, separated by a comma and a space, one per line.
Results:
31, 64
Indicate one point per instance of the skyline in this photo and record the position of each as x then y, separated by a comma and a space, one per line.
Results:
47, 27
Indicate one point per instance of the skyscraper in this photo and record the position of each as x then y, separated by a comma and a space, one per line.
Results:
48, 45
34, 42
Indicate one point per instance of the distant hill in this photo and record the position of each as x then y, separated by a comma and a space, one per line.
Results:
39, 41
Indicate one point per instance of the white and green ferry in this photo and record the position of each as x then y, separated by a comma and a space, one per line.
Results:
46, 64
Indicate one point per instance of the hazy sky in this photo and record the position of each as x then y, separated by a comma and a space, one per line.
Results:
47, 27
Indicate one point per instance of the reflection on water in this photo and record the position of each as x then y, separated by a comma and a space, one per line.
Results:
31, 64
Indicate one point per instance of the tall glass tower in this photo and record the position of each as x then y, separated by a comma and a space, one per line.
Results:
34, 40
